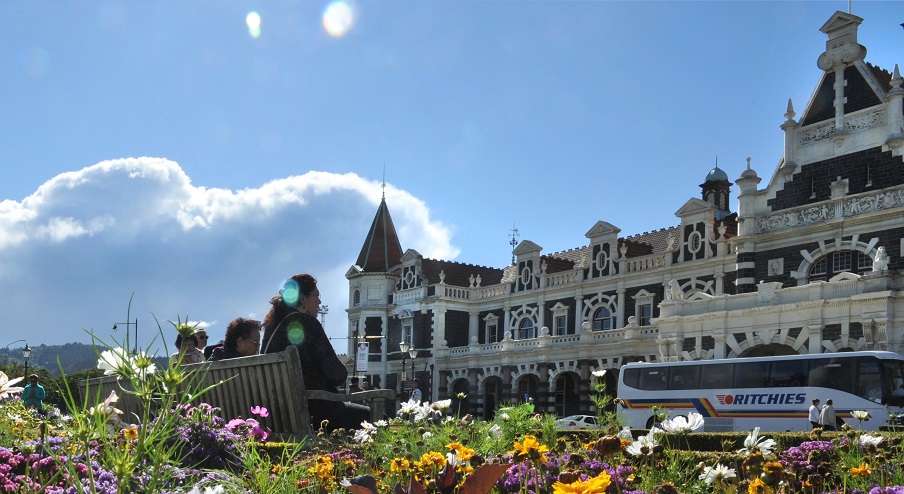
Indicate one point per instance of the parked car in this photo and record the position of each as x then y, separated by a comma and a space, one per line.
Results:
576, 423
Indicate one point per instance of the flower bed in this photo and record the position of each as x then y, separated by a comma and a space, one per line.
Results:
427, 449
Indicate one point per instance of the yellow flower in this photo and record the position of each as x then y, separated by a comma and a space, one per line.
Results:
275, 468
530, 448
758, 487
463, 453
399, 465
863, 470
596, 485
431, 462
131, 433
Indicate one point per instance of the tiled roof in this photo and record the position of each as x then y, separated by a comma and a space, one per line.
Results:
882, 76
657, 239
458, 274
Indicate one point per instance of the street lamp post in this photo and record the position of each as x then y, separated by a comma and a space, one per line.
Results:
412, 353
115, 327
26, 352
6, 357
404, 348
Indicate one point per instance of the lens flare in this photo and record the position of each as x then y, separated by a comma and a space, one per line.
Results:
253, 21
296, 333
290, 293
338, 19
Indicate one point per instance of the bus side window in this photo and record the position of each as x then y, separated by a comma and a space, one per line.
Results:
717, 376
684, 377
653, 379
751, 375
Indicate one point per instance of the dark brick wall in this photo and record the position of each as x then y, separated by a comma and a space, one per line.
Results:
831, 332
890, 239
456, 328
821, 108
549, 318
857, 93
594, 272
373, 326
885, 170
631, 306
481, 333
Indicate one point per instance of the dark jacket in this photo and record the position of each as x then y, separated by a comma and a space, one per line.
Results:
320, 365
223, 353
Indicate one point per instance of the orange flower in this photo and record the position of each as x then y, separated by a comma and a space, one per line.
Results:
862, 471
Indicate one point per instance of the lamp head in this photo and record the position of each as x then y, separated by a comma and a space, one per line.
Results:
403, 346
26, 352
412, 352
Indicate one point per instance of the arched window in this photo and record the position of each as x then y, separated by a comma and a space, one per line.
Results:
841, 261
526, 329
356, 298
603, 320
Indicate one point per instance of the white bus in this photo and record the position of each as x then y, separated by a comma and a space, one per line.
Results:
773, 393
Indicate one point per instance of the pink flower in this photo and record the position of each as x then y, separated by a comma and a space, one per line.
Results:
260, 411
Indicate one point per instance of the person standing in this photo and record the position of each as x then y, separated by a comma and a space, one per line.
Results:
416, 391
33, 395
292, 320
827, 416
243, 339
814, 413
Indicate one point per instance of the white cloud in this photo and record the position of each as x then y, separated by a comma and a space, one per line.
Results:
72, 253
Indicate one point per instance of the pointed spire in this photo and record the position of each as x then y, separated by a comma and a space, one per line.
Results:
789, 113
382, 249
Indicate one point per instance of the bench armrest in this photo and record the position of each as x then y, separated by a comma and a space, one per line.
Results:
374, 394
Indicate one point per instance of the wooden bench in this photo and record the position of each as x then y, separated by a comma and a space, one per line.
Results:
273, 381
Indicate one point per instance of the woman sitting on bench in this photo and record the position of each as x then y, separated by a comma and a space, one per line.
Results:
292, 320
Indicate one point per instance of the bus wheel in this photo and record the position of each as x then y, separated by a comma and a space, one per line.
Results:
838, 423
650, 422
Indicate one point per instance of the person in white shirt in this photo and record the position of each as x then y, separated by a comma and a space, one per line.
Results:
814, 413
416, 391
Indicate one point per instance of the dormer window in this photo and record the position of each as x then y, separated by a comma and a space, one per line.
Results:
356, 298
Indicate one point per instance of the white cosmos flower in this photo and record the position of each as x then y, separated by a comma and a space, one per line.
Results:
860, 414
409, 407
496, 431
868, 440
6, 385
380, 423
599, 373
693, 422
718, 472
754, 443
442, 404
649, 441
625, 433
363, 435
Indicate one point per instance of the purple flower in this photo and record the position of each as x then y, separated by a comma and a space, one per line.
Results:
261, 412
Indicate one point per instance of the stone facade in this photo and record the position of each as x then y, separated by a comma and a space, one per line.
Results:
810, 263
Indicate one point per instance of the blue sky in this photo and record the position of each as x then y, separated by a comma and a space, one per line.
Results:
165, 149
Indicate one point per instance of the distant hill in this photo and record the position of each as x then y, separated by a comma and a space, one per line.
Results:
73, 357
